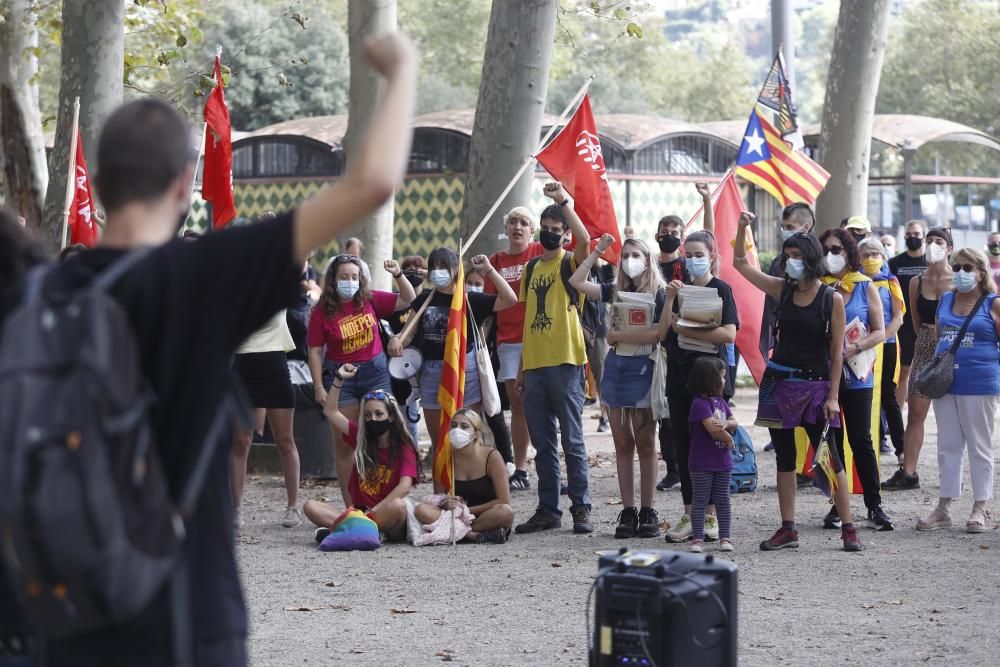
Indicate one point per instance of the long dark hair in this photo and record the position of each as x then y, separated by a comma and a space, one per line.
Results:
330, 300
20, 250
850, 246
811, 251
365, 453
705, 377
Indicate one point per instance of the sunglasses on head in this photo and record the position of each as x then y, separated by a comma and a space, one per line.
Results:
835, 249
377, 395
968, 268
346, 258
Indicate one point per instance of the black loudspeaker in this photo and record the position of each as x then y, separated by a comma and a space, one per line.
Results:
659, 608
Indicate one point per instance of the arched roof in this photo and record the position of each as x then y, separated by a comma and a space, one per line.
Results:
324, 129
911, 131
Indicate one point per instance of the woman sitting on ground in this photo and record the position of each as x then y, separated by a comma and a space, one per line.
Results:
480, 483
386, 465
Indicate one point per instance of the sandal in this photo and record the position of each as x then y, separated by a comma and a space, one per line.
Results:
977, 520
939, 518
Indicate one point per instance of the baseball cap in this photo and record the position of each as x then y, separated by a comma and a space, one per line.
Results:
858, 222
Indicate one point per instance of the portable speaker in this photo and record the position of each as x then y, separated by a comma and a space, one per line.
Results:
661, 608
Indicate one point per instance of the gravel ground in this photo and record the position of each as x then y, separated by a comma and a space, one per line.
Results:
910, 598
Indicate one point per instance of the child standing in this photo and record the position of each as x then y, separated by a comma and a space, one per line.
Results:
711, 464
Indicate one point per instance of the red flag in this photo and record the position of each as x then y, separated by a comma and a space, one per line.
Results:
451, 393
727, 204
574, 159
82, 227
217, 174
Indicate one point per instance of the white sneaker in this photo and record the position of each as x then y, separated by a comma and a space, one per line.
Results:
697, 547
711, 528
681, 532
511, 469
291, 518
725, 545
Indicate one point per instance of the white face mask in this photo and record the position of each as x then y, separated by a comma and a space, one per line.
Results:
835, 263
633, 266
440, 277
794, 268
934, 253
459, 438
474, 288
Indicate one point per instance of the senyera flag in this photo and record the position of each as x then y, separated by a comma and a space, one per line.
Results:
451, 394
574, 159
82, 226
727, 204
217, 174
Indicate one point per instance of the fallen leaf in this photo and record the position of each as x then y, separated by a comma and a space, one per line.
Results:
556, 564
332, 584
984, 546
614, 501
403, 611
867, 606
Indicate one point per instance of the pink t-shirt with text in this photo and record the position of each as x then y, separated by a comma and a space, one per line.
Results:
351, 335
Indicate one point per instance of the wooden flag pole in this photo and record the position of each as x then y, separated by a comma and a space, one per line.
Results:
71, 174
527, 163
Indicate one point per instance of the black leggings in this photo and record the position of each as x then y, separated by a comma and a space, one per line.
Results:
501, 436
856, 411
784, 444
890, 406
680, 409
667, 450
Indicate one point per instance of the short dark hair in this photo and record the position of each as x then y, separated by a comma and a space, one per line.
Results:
796, 209
555, 213
850, 246
20, 249
940, 232
811, 251
144, 146
444, 258
670, 221
705, 377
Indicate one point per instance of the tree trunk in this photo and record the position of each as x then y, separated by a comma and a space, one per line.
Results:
93, 56
508, 113
365, 18
22, 144
849, 108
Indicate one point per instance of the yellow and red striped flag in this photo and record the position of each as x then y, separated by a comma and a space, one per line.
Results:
451, 394
767, 161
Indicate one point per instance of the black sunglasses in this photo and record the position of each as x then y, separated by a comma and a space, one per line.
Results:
835, 249
968, 268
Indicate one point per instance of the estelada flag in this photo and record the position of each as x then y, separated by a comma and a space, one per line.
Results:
727, 204
217, 174
574, 159
767, 161
82, 227
451, 394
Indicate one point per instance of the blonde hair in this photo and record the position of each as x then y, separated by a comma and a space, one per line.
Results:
650, 281
475, 420
976, 256
522, 212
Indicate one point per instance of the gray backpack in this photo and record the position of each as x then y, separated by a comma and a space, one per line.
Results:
89, 531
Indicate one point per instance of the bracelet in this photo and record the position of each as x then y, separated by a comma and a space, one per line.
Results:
338, 386
741, 260
397, 276
564, 202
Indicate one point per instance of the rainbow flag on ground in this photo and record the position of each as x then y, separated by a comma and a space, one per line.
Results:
451, 395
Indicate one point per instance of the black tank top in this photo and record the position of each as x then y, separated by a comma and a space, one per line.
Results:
926, 308
802, 339
477, 491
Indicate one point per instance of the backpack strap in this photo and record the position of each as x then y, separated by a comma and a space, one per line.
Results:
529, 268
109, 276
565, 273
828, 293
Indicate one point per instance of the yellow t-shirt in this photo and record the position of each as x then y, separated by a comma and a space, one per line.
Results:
552, 332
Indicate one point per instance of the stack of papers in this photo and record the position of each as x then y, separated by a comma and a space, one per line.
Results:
862, 364
633, 311
700, 307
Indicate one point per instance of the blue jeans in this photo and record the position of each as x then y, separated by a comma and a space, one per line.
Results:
551, 394
372, 375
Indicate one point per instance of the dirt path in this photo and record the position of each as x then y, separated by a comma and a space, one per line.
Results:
910, 598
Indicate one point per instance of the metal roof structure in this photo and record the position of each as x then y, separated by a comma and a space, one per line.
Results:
911, 131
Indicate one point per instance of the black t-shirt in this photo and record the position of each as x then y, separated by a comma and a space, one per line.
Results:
679, 360
906, 268
675, 269
191, 305
433, 328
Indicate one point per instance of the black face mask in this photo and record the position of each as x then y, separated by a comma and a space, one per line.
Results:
669, 243
859, 237
414, 278
550, 240
913, 243
377, 428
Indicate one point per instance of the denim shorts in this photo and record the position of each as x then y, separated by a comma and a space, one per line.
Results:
510, 360
430, 382
372, 374
626, 381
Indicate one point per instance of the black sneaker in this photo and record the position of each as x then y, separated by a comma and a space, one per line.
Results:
590, 401
885, 448
879, 520
832, 519
539, 521
649, 522
900, 481
803, 481
668, 481
628, 524
581, 519
320, 534
769, 447
563, 489
604, 425
495, 536
519, 481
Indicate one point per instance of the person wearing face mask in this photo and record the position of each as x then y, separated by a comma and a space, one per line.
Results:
873, 263
480, 483
966, 415
669, 235
415, 269
432, 329
906, 266
993, 250
862, 303
889, 243
925, 293
626, 383
385, 465
702, 261
858, 227
345, 323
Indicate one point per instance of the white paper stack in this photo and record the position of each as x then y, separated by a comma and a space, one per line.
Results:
633, 311
861, 364
700, 308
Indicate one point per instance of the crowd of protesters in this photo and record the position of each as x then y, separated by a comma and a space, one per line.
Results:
529, 306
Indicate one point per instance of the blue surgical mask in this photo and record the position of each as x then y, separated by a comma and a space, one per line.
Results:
965, 281
697, 266
347, 288
473, 288
788, 233
794, 268
440, 277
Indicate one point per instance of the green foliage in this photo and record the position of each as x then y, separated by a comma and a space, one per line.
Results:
286, 62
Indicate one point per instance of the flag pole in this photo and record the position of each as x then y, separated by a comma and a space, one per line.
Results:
722, 181
528, 162
201, 154
451, 477
71, 173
